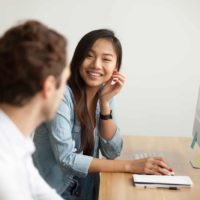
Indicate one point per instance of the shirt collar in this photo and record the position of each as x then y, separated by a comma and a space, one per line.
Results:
22, 146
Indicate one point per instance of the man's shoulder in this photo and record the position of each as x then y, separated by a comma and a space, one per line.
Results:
7, 164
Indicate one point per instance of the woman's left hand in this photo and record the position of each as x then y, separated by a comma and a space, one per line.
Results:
112, 87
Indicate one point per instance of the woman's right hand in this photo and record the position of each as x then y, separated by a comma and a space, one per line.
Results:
152, 165
109, 90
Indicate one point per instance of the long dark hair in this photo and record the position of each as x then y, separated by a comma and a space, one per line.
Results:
78, 85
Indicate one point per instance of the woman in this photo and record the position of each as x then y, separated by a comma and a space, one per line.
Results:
67, 149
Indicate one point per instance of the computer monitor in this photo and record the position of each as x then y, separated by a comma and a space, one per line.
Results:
196, 133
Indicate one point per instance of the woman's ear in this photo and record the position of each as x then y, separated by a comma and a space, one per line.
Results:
115, 70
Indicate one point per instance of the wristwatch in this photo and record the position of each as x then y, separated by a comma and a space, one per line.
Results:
106, 117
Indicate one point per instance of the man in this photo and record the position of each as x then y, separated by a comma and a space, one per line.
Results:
33, 75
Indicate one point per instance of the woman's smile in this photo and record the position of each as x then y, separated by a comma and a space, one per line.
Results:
94, 74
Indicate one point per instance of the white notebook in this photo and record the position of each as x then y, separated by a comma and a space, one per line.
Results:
155, 181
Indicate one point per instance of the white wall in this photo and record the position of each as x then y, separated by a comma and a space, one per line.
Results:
161, 43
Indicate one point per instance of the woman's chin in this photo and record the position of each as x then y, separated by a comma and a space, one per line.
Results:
93, 83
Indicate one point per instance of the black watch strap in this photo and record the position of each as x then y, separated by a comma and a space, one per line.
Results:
106, 117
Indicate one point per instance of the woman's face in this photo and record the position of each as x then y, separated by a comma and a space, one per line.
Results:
99, 64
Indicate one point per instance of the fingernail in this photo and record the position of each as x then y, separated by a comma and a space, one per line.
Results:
171, 170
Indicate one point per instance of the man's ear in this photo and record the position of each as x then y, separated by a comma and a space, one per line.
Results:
49, 86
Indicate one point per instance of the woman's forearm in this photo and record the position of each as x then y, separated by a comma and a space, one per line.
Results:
103, 165
107, 127
154, 165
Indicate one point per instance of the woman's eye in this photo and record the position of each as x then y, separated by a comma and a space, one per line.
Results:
89, 55
106, 59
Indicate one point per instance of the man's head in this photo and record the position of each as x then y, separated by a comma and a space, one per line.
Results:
32, 62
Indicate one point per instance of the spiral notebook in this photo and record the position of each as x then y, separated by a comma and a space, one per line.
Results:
155, 181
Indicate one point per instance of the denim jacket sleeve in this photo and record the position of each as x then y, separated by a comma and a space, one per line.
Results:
63, 145
112, 148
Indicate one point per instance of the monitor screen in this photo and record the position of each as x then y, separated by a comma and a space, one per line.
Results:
196, 126
196, 134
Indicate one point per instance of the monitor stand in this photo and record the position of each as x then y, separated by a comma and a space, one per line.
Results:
196, 162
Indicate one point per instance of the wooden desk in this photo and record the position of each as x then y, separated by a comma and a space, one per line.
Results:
119, 186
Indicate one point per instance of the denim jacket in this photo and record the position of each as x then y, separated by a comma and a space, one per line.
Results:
57, 143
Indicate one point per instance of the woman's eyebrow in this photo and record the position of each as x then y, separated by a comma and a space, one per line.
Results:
107, 54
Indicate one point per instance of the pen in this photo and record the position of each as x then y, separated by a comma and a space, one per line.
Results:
160, 187
173, 188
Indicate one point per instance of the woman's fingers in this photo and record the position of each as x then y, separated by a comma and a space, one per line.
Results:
153, 172
160, 162
119, 77
156, 166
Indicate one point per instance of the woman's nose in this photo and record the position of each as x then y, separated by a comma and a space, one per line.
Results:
97, 63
